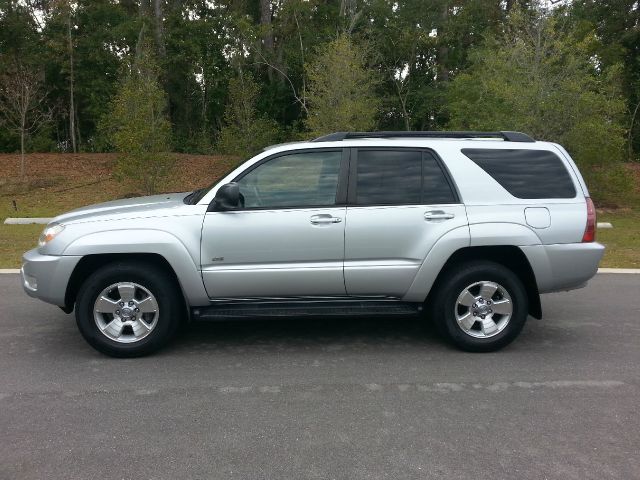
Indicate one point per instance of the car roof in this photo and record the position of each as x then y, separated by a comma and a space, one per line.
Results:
422, 139
434, 143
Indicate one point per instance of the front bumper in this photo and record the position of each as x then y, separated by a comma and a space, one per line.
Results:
46, 276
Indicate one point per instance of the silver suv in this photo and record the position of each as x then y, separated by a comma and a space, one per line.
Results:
467, 228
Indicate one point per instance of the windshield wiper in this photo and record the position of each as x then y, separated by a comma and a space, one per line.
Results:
188, 199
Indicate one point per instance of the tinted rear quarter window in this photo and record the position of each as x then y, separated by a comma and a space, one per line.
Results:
526, 174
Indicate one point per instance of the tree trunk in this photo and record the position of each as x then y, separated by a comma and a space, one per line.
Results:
267, 33
72, 109
405, 114
633, 121
159, 27
402, 97
77, 121
443, 48
22, 169
265, 23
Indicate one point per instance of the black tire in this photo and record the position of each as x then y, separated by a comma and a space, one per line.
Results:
157, 280
454, 282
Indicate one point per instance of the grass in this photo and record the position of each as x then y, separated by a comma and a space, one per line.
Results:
14, 241
622, 241
58, 183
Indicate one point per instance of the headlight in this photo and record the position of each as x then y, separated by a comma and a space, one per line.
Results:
49, 233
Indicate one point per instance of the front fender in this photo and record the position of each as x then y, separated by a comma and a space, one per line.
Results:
165, 244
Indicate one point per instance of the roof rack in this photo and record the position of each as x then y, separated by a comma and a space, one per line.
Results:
506, 136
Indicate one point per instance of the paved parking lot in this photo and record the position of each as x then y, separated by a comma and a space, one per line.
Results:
343, 399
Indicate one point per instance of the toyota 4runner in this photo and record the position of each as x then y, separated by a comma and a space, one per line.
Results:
468, 228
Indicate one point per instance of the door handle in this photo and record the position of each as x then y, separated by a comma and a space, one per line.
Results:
324, 219
438, 215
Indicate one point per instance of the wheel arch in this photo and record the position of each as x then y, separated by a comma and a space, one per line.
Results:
509, 256
90, 263
101, 247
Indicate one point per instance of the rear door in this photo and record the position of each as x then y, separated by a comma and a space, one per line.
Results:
400, 202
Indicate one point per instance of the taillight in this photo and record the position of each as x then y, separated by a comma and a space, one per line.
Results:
590, 230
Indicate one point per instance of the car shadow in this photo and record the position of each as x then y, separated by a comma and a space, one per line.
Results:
304, 333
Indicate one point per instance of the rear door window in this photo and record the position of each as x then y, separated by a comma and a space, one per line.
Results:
400, 177
526, 174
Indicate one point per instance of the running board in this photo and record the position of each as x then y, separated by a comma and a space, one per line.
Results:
305, 309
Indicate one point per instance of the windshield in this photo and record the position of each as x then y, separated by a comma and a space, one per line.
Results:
197, 195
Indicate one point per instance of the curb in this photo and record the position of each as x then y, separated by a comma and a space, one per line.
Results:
9, 270
26, 221
619, 270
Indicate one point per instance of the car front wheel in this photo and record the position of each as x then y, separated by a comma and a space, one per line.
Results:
128, 309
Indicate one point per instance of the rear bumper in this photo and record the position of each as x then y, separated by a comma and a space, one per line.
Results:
46, 276
563, 266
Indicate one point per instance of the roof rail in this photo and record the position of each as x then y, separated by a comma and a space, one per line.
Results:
506, 136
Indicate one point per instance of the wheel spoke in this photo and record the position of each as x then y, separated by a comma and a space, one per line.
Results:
113, 328
126, 291
148, 305
466, 321
106, 305
467, 299
502, 307
140, 327
488, 289
488, 326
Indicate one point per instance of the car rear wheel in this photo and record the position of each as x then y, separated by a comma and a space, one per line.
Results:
128, 309
480, 306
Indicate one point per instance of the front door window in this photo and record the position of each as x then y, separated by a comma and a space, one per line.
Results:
307, 179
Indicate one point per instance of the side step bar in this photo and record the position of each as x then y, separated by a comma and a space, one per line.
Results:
310, 309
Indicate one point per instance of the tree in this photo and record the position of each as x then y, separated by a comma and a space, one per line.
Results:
138, 126
245, 131
341, 94
22, 104
540, 78
102, 32
616, 24
72, 108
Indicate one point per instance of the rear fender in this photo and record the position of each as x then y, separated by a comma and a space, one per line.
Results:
446, 246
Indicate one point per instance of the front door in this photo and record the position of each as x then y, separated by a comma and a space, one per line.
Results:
288, 240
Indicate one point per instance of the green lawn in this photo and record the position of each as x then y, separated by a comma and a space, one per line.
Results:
57, 183
15, 240
622, 241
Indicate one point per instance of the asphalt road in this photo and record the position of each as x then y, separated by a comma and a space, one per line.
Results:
343, 399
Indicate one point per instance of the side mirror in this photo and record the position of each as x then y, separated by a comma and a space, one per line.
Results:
228, 197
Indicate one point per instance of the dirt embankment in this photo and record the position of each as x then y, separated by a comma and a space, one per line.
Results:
57, 182
190, 171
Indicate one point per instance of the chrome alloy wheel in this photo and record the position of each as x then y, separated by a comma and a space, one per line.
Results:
483, 309
126, 312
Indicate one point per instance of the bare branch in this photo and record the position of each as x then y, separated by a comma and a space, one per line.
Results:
300, 100
22, 99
